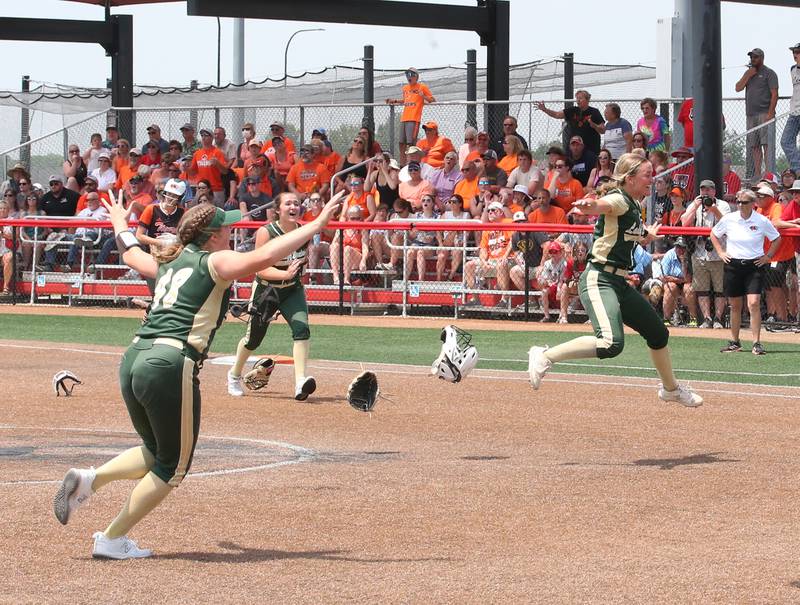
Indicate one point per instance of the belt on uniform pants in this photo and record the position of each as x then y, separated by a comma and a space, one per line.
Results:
611, 269
187, 350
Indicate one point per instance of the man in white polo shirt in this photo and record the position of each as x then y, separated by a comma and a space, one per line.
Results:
745, 263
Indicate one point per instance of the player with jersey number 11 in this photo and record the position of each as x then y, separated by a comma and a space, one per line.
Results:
605, 293
159, 372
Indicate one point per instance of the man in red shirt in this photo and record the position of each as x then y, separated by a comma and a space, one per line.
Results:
731, 181
210, 163
683, 177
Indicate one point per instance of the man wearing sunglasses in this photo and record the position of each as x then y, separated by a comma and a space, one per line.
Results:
415, 95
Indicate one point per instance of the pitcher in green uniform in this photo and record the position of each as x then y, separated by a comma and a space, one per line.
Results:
279, 289
605, 293
159, 371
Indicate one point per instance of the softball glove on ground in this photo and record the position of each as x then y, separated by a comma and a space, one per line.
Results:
363, 391
258, 377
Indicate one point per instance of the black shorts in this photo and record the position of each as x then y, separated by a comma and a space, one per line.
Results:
742, 277
775, 277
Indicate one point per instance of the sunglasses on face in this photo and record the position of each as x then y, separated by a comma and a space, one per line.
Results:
740, 202
23, 183
413, 169
494, 210
9, 195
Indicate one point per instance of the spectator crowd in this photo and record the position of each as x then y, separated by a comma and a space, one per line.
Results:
438, 175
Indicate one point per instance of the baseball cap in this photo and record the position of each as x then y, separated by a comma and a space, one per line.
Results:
682, 151
795, 186
258, 144
393, 164
413, 149
111, 127
521, 189
187, 126
680, 242
90, 177
175, 187
412, 70
136, 178
104, 155
756, 52
56, 178
251, 181
708, 183
430, 126
205, 132
135, 151
519, 217
490, 153
554, 247
154, 127
678, 191
554, 149
414, 165
321, 131
495, 206
765, 190
276, 125
795, 47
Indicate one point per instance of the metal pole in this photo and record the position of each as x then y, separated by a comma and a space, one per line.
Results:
497, 55
392, 125
527, 236
193, 112
472, 87
25, 152
341, 271
707, 86
569, 90
369, 88
122, 74
237, 119
286, 63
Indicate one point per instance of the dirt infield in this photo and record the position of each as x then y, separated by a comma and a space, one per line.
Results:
589, 490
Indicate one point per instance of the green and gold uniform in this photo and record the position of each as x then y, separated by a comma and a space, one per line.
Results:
606, 295
159, 371
287, 296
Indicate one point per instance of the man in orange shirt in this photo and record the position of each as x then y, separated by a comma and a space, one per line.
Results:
330, 159
775, 276
210, 163
544, 211
308, 176
434, 146
415, 95
128, 169
277, 130
90, 186
467, 187
493, 259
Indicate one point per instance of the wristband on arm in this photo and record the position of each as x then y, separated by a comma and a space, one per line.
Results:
125, 241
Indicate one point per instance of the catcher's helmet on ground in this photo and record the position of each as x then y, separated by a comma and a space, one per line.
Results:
457, 357
64, 381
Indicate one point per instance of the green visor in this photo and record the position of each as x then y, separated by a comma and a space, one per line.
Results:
221, 218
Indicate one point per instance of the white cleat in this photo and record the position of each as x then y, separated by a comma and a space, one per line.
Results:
75, 490
235, 385
538, 365
683, 395
304, 388
117, 548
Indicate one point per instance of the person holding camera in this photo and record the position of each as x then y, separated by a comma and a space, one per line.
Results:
707, 267
745, 264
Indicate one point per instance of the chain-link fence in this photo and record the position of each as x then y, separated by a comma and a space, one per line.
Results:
45, 155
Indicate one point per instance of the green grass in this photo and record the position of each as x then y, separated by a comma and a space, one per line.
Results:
694, 358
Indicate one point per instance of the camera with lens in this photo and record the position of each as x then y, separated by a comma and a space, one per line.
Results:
708, 201
708, 245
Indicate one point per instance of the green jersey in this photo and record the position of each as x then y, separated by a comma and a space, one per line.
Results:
274, 229
616, 233
190, 301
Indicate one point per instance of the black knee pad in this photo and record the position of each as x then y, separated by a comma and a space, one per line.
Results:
659, 338
614, 349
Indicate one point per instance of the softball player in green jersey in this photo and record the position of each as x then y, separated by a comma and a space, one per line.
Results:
279, 286
159, 371
605, 293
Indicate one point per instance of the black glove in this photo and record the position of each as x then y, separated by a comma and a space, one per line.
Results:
363, 391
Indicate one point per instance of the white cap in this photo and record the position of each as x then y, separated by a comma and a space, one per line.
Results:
764, 190
175, 187
519, 217
495, 206
521, 189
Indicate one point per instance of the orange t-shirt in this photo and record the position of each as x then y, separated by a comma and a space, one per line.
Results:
436, 151
288, 143
331, 161
413, 100
566, 193
413, 193
554, 215
204, 167
786, 248
124, 175
360, 201
495, 243
308, 178
353, 238
467, 189
281, 167
508, 163
82, 201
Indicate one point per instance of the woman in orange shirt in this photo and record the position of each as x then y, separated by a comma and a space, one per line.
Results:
511, 147
282, 161
358, 197
356, 249
563, 187
678, 198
